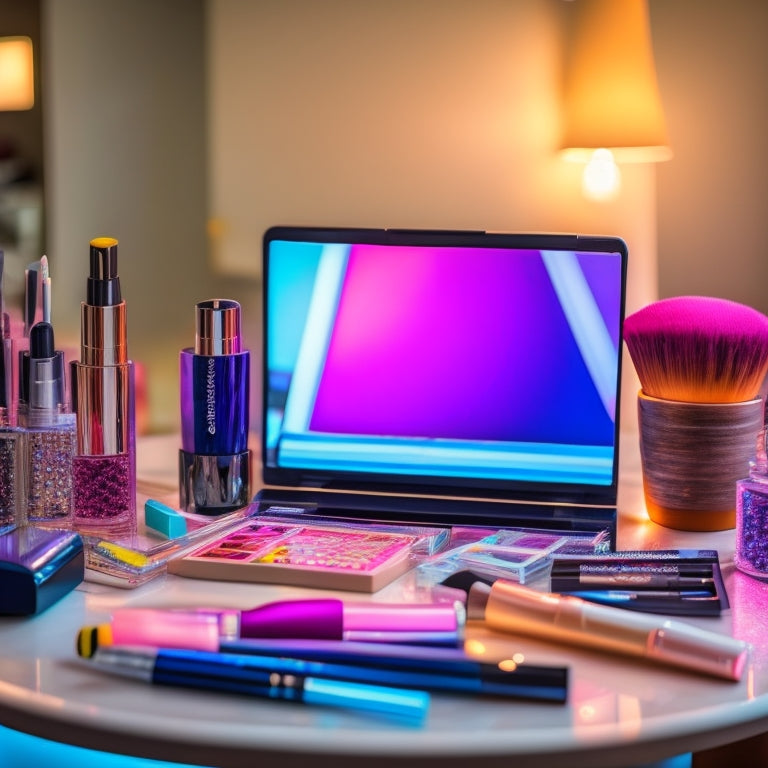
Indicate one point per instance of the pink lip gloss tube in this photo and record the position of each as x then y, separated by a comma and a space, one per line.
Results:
104, 466
317, 619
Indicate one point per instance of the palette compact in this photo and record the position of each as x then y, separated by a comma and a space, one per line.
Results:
329, 555
37, 568
675, 582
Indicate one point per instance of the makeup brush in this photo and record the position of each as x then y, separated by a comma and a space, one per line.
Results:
699, 349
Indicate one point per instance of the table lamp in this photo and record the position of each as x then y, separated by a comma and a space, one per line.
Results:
611, 108
17, 90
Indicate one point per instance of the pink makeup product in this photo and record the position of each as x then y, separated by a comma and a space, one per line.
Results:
104, 468
509, 607
313, 619
324, 557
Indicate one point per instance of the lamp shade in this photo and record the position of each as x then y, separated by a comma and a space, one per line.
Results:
17, 87
611, 97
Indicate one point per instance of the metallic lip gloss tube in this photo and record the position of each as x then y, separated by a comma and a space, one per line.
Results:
104, 469
214, 460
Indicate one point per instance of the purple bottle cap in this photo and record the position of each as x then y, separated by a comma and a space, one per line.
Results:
320, 619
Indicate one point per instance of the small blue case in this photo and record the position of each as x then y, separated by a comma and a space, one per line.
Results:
37, 568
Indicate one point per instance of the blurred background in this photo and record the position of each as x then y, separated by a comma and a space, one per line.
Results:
185, 128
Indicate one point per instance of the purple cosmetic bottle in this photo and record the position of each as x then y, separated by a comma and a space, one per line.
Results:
104, 467
214, 460
751, 552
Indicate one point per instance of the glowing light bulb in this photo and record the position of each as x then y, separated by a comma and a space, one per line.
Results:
601, 179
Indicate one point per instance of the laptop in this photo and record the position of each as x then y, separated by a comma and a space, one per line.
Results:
442, 377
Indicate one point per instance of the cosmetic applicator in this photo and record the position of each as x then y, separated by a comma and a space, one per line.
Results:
699, 349
701, 362
505, 606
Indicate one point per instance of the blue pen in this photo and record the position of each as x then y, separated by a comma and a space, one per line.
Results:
275, 679
449, 670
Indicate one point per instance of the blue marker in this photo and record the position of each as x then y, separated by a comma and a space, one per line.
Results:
250, 676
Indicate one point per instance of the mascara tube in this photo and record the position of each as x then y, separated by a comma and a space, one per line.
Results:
214, 460
104, 467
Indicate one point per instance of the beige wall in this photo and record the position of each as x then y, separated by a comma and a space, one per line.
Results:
126, 156
712, 60
407, 113
434, 113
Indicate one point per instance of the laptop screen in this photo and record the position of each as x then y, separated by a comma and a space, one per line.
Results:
442, 360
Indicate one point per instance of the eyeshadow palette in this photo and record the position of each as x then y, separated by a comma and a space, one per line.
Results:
331, 557
513, 554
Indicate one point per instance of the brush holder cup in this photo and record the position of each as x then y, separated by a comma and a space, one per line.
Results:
692, 455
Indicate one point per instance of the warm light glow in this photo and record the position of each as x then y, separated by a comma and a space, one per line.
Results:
17, 90
611, 97
512, 663
474, 647
587, 713
602, 177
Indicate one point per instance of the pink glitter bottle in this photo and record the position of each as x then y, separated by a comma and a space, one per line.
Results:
104, 467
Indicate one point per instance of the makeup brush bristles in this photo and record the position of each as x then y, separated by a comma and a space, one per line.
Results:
699, 349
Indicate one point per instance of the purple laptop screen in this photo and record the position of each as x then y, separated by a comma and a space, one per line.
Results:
480, 362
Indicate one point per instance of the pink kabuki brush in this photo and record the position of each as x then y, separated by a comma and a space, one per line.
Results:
701, 362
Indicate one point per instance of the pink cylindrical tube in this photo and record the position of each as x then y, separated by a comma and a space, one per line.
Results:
166, 629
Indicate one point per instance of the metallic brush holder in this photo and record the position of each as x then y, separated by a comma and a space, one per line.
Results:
692, 455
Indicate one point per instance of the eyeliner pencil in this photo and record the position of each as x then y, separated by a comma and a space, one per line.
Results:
230, 673
449, 670
436, 669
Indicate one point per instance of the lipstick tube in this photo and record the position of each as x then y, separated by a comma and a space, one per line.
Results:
104, 467
214, 460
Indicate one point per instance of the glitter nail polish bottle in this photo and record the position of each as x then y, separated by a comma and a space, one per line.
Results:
49, 436
10, 444
10, 466
751, 554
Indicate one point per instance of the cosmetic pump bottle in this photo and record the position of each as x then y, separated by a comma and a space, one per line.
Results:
48, 433
214, 460
102, 383
751, 552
